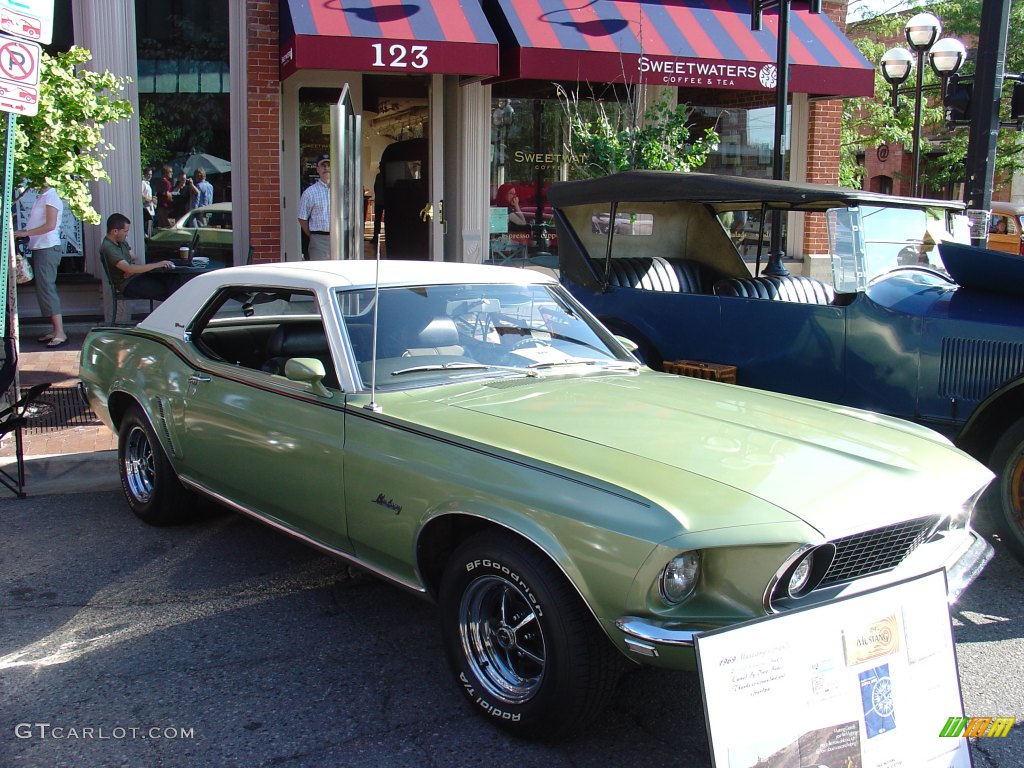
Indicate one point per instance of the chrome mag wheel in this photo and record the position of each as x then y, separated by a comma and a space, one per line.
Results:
502, 639
139, 470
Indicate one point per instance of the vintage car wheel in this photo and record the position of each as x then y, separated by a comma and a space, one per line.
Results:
147, 478
1006, 496
523, 645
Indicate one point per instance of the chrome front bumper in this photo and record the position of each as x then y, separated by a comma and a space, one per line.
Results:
966, 569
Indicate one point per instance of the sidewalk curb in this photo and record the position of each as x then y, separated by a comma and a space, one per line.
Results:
67, 473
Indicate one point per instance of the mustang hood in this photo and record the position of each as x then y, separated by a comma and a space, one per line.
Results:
838, 469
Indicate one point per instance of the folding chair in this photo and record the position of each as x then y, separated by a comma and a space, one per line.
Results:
12, 419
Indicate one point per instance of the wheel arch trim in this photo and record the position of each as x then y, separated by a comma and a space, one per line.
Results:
990, 419
529, 532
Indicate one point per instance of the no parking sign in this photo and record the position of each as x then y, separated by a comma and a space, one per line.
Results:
19, 75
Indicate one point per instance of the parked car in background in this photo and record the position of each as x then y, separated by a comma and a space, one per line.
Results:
1006, 228
896, 330
206, 231
475, 436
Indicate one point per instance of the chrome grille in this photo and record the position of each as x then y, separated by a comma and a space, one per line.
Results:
878, 550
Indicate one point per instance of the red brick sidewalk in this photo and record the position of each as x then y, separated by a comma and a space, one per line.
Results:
59, 367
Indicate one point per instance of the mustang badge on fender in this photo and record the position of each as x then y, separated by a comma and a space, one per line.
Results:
388, 503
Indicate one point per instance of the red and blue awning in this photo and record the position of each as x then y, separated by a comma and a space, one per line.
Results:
450, 37
684, 43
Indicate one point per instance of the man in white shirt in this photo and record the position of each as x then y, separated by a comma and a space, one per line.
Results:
315, 212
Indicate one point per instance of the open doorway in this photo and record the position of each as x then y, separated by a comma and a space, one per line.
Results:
396, 127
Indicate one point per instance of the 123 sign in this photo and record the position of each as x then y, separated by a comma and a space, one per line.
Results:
400, 56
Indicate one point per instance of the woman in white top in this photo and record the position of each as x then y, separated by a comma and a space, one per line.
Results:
43, 233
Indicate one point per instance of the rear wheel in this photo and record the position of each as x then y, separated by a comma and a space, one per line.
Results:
1005, 498
524, 647
153, 491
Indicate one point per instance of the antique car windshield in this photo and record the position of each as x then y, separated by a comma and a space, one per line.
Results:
887, 237
429, 335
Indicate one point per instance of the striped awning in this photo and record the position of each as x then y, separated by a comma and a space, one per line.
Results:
451, 37
684, 43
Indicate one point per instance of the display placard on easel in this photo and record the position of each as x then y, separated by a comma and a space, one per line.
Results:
867, 681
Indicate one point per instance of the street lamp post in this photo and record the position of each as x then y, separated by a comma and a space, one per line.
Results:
945, 56
757, 8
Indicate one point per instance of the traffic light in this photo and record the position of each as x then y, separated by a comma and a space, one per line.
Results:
957, 99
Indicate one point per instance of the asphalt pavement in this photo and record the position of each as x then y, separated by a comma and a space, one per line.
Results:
225, 643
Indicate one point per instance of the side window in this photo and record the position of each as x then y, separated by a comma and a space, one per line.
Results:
262, 328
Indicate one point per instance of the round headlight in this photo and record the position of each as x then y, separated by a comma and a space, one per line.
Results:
679, 577
801, 576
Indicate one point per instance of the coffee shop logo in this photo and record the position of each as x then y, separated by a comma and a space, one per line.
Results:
769, 76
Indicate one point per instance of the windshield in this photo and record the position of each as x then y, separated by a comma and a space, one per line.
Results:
869, 240
435, 334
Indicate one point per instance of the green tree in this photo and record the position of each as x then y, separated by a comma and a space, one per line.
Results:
870, 122
604, 138
63, 146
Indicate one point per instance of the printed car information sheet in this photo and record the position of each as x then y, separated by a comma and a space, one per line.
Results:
864, 682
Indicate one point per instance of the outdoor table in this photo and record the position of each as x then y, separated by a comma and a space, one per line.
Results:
161, 283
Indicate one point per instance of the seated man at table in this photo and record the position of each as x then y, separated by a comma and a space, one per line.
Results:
122, 268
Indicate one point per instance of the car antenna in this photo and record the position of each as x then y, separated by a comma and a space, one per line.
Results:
372, 405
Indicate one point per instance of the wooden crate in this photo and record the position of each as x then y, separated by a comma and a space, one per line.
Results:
699, 370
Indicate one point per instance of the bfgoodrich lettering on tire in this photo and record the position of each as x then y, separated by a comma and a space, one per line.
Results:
523, 646
147, 478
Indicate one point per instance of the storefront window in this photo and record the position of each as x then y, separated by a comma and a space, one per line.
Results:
746, 148
184, 110
526, 156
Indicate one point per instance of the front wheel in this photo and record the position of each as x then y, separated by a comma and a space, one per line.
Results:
524, 647
1005, 498
147, 478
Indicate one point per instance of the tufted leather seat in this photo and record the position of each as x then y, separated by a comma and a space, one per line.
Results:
302, 339
656, 274
795, 288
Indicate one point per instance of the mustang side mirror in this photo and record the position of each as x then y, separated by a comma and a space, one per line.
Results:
308, 370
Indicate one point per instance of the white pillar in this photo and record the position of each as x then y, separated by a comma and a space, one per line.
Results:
239, 100
107, 29
472, 151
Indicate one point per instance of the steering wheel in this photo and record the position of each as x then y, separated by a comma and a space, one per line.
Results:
529, 341
924, 273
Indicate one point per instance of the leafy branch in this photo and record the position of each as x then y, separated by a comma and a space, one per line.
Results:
602, 140
63, 146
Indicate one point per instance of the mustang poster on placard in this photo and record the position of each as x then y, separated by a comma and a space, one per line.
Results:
865, 682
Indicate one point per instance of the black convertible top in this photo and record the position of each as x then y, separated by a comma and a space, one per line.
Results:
722, 191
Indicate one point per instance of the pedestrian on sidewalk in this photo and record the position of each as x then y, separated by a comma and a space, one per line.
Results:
164, 199
148, 202
43, 232
315, 211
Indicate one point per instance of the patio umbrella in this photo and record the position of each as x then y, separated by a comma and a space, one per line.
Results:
210, 163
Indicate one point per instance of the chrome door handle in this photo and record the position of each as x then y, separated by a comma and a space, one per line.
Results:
198, 378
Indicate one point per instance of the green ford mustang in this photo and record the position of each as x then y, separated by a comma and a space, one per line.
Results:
473, 435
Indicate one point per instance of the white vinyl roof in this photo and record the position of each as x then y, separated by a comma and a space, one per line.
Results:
172, 315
